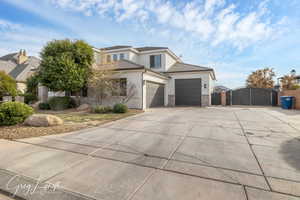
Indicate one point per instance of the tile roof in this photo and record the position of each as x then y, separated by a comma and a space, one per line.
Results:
116, 47
149, 48
182, 67
140, 49
121, 65
20, 72
127, 65
10, 57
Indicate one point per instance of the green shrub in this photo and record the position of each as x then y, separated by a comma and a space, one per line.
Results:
14, 112
30, 98
8, 85
61, 103
120, 108
72, 103
102, 109
44, 106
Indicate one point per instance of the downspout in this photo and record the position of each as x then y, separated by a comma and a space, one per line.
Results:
142, 90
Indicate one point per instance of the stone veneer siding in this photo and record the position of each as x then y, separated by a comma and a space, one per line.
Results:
205, 100
171, 100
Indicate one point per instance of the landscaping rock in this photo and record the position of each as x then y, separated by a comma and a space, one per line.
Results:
43, 120
84, 107
35, 105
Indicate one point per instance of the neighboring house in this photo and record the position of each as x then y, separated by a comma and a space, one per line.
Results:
19, 66
297, 79
159, 78
292, 73
220, 88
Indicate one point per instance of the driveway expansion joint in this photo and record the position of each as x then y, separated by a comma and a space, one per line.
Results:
253, 153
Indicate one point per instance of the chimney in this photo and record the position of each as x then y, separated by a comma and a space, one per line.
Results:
22, 57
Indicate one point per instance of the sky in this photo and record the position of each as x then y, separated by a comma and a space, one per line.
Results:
235, 37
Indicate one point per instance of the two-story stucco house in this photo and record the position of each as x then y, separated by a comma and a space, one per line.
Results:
159, 78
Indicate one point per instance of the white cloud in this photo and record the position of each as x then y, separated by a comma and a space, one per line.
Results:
15, 36
211, 5
4, 25
212, 20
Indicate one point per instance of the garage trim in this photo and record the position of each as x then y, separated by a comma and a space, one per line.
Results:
155, 97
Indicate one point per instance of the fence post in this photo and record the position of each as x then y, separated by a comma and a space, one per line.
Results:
271, 93
230, 97
223, 98
250, 91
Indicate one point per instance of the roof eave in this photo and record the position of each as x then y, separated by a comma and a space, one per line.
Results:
188, 71
145, 70
121, 49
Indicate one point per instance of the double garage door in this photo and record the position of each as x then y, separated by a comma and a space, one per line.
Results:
155, 94
188, 92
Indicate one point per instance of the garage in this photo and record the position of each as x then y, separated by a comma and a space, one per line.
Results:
188, 92
155, 94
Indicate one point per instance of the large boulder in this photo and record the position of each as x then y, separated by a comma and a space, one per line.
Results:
84, 107
35, 105
43, 120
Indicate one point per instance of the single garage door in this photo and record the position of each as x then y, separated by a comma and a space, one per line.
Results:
188, 92
155, 94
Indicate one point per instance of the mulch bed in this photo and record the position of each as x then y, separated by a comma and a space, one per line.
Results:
21, 131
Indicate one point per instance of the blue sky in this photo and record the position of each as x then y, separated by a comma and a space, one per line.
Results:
235, 37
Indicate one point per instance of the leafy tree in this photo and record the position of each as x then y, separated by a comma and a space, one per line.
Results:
288, 82
32, 84
8, 85
262, 78
65, 65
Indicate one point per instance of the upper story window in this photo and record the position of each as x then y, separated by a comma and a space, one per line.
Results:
108, 58
115, 57
122, 56
155, 61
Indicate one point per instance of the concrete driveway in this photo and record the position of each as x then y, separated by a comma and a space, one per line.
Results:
164, 154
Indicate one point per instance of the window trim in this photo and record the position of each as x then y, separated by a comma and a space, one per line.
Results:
155, 61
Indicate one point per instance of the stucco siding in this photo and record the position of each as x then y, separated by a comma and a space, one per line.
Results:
21, 87
132, 57
169, 61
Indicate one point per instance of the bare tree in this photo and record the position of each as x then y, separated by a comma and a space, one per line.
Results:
105, 81
288, 82
101, 83
130, 93
262, 78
